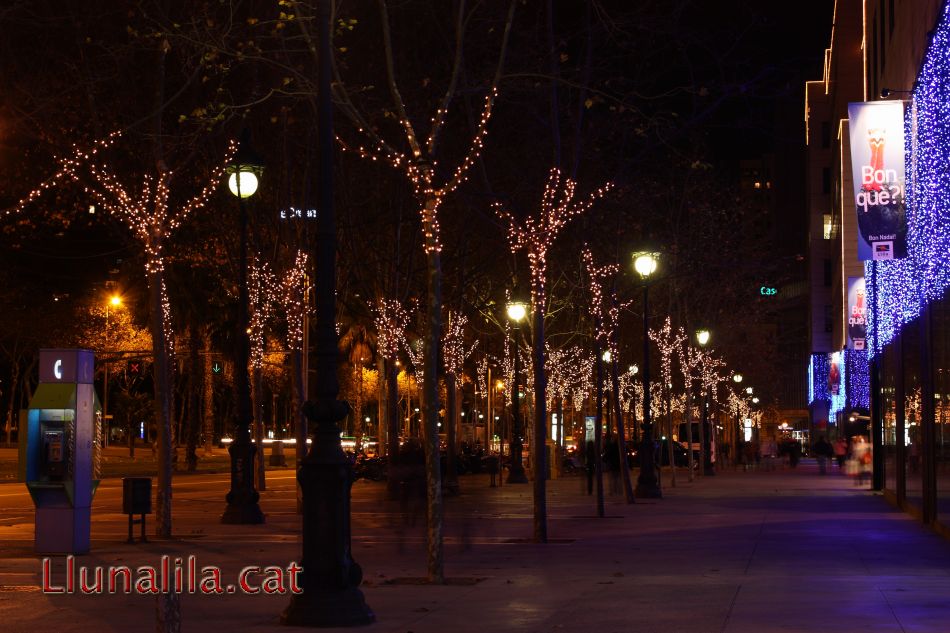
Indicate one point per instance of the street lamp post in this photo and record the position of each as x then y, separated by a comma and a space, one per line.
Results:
648, 484
702, 337
330, 578
517, 311
242, 499
737, 378
114, 301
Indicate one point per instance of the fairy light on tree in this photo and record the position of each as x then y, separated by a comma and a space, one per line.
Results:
420, 165
262, 296
668, 343
606, 319
391, 320
454, 354
293, 296
536, 236
689, 364
147, 213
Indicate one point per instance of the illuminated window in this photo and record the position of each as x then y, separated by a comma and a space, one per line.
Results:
828, 226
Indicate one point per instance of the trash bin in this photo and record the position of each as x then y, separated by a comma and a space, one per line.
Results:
136, 495
136, 499
277, 457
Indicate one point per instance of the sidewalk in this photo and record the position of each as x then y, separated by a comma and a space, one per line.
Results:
741, 552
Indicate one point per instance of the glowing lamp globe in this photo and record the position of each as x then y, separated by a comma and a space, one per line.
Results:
517, 310
645, 263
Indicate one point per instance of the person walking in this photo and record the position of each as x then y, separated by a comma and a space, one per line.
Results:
823, 452
861, 453
590, 458
841, 452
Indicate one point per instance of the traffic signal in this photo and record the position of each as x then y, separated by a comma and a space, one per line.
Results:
135, 368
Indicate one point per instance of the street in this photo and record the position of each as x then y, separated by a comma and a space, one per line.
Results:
740, 552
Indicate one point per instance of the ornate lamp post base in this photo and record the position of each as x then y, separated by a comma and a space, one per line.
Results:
330, 578
516, 476
242, 499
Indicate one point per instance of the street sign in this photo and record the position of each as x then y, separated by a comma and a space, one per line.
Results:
217, 367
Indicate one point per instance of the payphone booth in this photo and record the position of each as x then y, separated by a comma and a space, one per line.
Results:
59, 450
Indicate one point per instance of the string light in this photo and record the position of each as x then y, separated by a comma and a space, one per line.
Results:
668, 344
595, 287
261, 299
584, 385
145, 212
537, 234
293, 298
391, 321
481, 371
454, 352
858, 379
67, 169
421, 171
818, 372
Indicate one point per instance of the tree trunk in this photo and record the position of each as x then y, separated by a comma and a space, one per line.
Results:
430, 399
14, 381
163, 405
621, 440
451, 420
599, 429
193, 421
669, 427
688, 414
540, 424
207, 382
258, 399
298, 395
392, 427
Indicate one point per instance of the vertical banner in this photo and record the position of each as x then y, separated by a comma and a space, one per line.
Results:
877, 167
857, 313
834, 373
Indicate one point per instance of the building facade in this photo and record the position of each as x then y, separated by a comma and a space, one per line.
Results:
881, 354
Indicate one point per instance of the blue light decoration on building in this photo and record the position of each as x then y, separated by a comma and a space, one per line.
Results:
903, 286
818, 378
858, 379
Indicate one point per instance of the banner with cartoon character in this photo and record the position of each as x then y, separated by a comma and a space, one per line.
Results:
877, 165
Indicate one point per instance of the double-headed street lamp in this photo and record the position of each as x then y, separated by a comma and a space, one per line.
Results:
517, 310
648, 484
702, 337
244, 173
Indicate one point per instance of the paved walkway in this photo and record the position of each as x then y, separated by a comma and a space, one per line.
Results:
741, 552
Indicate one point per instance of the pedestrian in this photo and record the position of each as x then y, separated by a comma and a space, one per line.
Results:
794, 452
751, 455
861, 453
841, 452
492, 465
823, 452
769, 452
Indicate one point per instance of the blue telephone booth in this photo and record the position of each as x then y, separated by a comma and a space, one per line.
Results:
60, 450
